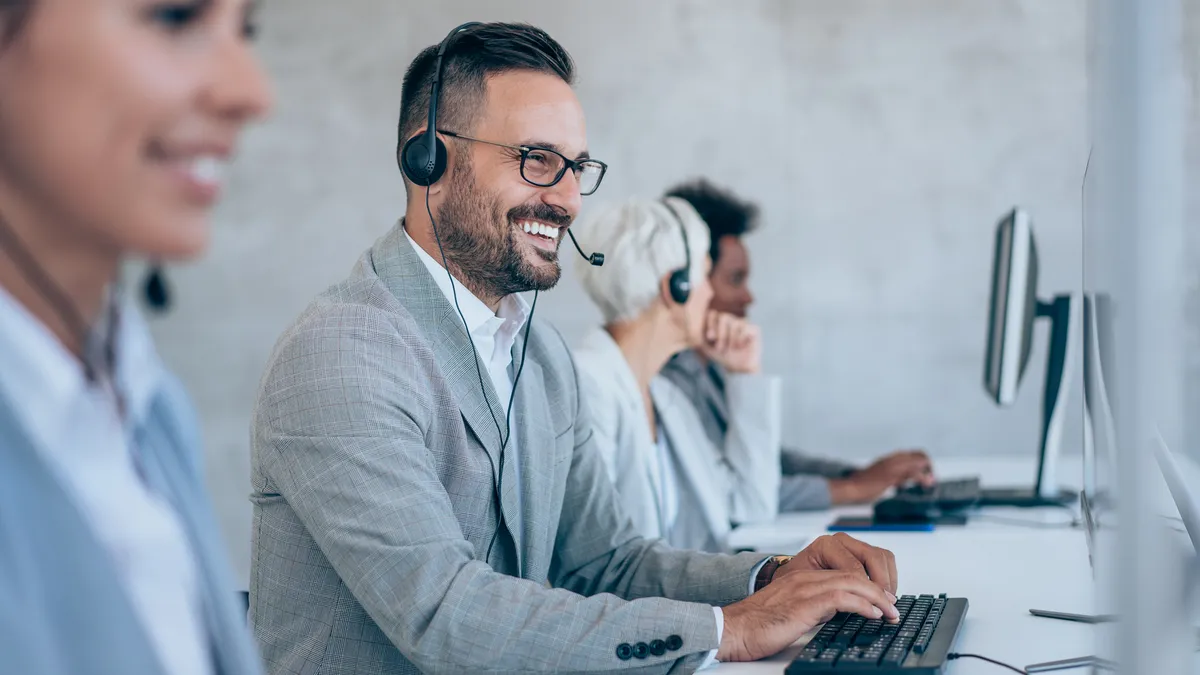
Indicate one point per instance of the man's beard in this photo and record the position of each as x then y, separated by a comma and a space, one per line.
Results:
481, 243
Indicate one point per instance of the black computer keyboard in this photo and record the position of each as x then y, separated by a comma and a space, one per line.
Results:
918, 645
920, 503
965, 491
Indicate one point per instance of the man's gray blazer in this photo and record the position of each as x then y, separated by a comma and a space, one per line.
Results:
373, 457
805, 482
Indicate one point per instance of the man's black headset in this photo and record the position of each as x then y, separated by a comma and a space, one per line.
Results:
680, 283
423, 157
423, 160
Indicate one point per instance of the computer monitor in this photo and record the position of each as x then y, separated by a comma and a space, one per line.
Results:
1013, 307
1133, 233
1014, 311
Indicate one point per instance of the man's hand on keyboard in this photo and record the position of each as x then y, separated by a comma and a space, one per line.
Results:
844, 553
894, 470
788, 607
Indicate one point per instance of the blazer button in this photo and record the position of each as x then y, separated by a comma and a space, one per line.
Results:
674, 643
658, 648
641, 650
624, 651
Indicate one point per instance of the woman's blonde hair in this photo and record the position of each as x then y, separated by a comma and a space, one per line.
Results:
642, 243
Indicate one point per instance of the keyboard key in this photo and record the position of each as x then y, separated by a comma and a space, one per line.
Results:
864, 639
846, 635
869, 632
810, 654
859, 658
830, 630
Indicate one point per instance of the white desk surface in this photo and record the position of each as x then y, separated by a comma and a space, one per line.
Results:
1002, 569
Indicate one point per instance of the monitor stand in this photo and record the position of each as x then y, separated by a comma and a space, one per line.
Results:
1191, 586
1095, 662
1054, 398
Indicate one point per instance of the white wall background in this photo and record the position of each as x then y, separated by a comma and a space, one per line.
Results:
882, 139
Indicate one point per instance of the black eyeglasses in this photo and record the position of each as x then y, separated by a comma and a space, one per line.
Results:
544, 167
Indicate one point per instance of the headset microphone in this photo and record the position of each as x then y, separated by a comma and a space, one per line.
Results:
596, 259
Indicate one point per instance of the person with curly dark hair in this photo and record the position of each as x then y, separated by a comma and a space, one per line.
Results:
808, 482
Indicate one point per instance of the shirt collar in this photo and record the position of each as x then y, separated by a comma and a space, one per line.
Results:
41, 380
689, 362
140, 370
502, 325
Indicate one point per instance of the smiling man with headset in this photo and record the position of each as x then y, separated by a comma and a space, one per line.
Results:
428, 493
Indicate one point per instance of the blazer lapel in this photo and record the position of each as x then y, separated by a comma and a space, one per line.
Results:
105, 628
399, 268
600, 342
535, 432
694, 452
167, 474
480, 405
406, 277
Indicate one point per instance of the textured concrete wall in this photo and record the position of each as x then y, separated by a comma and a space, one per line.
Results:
883, 140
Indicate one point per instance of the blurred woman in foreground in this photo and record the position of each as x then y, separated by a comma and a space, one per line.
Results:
116, 118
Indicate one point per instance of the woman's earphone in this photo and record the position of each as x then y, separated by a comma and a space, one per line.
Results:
155, 290
680, 283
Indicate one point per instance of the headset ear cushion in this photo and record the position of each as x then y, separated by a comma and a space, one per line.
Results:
681, 286
414, 160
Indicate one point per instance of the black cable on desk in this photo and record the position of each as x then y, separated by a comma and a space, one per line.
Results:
951, 657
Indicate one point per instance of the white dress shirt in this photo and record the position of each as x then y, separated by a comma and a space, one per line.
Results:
90, 449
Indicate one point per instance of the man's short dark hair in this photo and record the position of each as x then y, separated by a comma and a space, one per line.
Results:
726, 214
475, 55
